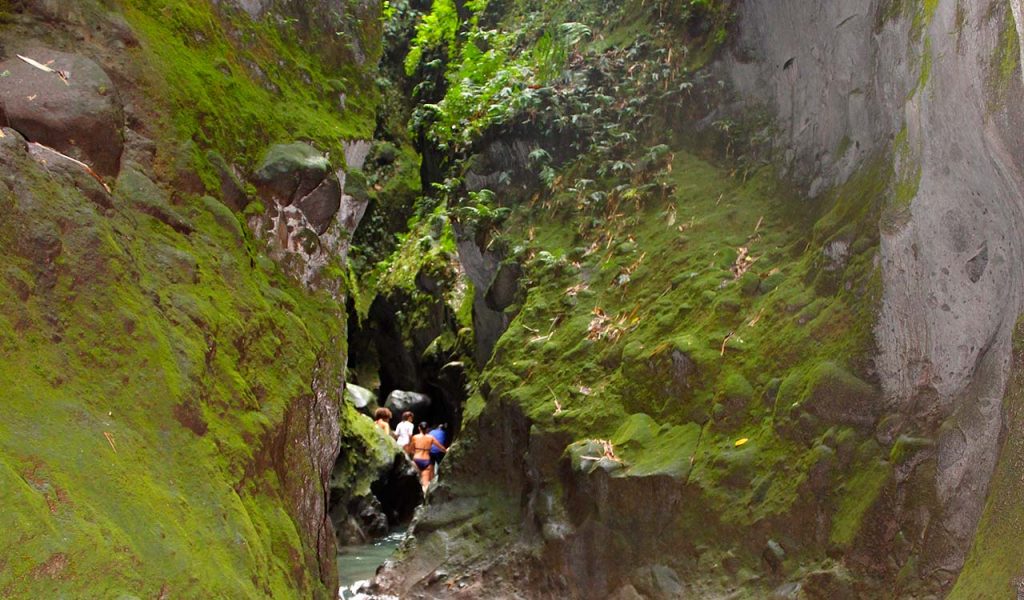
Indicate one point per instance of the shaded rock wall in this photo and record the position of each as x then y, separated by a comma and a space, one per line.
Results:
846, 81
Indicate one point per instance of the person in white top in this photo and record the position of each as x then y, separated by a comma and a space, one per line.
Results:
405, 430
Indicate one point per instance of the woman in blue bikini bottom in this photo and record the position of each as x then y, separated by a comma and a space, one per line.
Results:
421, 445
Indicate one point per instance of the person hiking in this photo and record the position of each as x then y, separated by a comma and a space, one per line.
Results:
382, 419
405, 431
422, 443
440, 434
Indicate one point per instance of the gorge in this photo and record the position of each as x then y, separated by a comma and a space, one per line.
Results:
718, 298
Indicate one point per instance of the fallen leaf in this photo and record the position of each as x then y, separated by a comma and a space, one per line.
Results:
573, 291
32, 97
740, 442
36, 64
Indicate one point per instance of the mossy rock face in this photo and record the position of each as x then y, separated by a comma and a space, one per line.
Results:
165, 363
142, 194
648, 448
734, 397
357, 186
232, 188
666, 376
826, 393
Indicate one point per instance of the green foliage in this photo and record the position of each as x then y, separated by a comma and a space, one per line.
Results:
438, 28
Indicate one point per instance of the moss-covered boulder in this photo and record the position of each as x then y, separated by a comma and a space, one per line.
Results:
826, 393
289, 172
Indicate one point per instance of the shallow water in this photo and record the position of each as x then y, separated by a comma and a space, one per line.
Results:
358, 564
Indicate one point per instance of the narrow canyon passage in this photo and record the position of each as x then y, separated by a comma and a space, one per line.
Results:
706, 299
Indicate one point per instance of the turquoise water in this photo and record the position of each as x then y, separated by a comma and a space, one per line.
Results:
358, 564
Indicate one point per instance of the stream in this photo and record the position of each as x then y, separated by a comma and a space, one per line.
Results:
358, 564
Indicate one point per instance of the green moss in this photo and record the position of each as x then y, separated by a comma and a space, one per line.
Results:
857, 494
822, 386
652, 449
994, 563
237, 86
925, 70
147, 386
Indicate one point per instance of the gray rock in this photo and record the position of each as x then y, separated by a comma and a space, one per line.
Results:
657, 582
400, 401
75, 109
138, 149
503, 290
361, 398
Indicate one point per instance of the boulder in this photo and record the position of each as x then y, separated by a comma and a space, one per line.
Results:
361, 399
289, 172
72, 107
400, 401
74, 173
658, 581
322, 204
